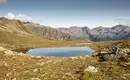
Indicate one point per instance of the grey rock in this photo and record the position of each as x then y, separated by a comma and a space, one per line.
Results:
47, 31
117, 32
118, 51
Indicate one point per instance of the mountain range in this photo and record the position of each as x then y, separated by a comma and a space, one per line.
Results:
117, 32
47, 31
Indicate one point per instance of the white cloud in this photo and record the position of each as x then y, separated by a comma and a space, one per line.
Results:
10, 16
20, 17
23, 17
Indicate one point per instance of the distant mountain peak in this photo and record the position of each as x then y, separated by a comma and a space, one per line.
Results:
117, 32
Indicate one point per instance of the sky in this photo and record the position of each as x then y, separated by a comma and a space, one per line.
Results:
66, 13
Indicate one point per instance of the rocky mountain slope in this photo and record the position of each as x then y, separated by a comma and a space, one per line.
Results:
76, 31
47, 31
13, 26
14, 34
117, 32
28, 28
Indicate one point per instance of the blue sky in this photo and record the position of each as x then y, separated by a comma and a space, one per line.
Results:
66, 13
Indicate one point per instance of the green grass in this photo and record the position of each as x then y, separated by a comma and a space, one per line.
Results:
25, 41
16, 41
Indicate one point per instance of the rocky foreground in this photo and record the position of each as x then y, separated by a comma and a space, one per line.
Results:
19, 66
119, 51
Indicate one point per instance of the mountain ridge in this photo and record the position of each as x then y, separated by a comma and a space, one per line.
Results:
117, 32
47, 31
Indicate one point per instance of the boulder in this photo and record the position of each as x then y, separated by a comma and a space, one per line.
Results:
91, 69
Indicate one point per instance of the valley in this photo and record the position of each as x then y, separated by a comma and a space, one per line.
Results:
17, 38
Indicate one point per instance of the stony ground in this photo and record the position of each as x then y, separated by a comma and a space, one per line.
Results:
19, 66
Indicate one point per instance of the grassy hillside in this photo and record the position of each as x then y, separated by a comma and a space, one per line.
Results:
16, 35
17, 42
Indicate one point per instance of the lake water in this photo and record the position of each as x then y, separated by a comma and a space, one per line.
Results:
61, 51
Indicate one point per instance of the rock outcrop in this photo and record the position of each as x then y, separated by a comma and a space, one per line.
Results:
119, 51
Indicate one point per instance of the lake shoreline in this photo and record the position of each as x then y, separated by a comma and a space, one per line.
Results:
61, 51
24, 50
94, 45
